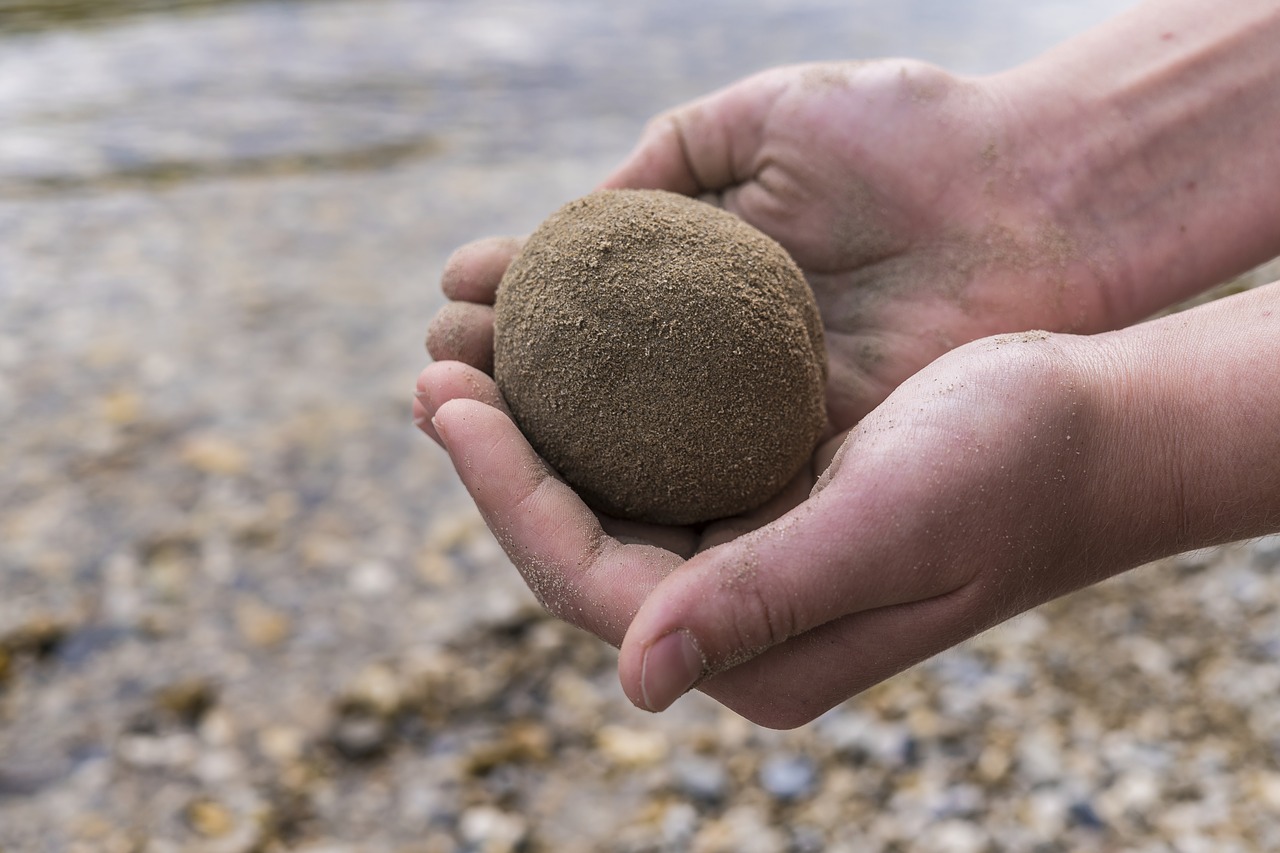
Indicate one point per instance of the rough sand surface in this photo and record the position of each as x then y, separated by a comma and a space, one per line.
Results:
664, 356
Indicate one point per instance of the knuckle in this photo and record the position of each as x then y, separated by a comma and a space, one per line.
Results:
760, 617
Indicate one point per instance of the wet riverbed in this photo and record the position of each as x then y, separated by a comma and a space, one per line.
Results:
243, 604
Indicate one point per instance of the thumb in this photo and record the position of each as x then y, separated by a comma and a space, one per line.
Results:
845, 550
703, 146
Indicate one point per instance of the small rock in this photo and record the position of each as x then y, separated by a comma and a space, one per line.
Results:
788, 777
121, 407
209, 818
959, 801
953, 836
741, 829
679, 822
1083, 814
39, 637
631, 747
701, 779
164, 751
282, 744
862, 737
807, 839
522, 742
372, 579
186, 701
492, 830
260, 625
93, 826
212, 454
218, 766
377, 688
359, 734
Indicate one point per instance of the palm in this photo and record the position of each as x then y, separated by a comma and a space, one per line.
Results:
910, 253
912, 250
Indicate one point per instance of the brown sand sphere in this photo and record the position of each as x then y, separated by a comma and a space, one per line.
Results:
662, 355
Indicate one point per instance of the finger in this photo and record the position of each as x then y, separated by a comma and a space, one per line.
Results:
462, 331
473, 271
733, 602
451, 380
577, 572
703, 146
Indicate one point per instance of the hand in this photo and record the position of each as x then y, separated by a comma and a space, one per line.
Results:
952, 506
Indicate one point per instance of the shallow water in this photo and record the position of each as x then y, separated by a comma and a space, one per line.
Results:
227, 90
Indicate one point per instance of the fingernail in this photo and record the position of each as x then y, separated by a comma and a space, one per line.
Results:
420, 396
670, 667
444, 441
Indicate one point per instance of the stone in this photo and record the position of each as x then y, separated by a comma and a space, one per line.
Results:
788, 777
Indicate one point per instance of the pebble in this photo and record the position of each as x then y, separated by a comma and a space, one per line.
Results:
952, 836
210, 819
360, 735
213, 454
788, 777
491, 830
521, 742
631, 748
703, 779
862, 737
372, 579
741, 829
261, 625
187, 701
378, 688
1083, 814
38, 637
282, 743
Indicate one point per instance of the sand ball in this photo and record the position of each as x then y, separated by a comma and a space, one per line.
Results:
663, 356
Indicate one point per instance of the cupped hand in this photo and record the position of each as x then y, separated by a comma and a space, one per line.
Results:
909, 199
952, 506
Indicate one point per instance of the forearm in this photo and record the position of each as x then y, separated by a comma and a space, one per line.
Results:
1192, 428
1159, 132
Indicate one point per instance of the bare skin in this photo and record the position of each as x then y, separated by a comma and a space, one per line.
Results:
972, 481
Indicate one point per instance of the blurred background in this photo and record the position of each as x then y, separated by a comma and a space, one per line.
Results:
245, 607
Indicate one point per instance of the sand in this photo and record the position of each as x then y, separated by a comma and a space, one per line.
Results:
666, 358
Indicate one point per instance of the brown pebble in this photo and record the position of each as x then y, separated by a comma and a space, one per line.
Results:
187, 701
666, 358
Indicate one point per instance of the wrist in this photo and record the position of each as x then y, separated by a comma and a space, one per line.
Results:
1149, 139
1188, 429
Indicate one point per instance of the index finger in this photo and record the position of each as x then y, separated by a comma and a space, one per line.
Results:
473, 271
704, 146
578, 573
